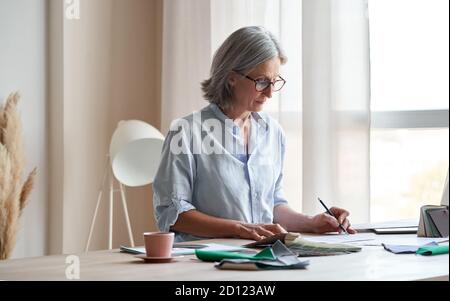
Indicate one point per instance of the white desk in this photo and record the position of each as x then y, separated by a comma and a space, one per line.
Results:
372, 263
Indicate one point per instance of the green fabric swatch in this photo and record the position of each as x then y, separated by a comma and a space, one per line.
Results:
266, 254
432, 250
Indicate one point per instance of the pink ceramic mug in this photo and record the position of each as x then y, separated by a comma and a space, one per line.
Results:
158, 244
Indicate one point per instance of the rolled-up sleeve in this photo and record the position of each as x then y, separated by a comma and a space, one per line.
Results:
279, 197
174, 180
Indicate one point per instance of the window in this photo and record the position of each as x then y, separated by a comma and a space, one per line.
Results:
409, 53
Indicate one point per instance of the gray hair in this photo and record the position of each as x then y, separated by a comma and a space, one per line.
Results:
242, 51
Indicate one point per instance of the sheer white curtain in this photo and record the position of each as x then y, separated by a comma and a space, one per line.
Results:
336, 106
186, 57
326, 150
444, 200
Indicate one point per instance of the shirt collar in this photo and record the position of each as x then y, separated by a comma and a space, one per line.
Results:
255, 115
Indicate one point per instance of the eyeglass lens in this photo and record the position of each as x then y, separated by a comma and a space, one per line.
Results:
263, 84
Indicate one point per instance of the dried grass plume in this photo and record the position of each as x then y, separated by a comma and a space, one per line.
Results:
14, 193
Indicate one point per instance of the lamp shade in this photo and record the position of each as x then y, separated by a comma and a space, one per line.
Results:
135, 152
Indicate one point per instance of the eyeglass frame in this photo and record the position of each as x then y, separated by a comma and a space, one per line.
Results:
256, 82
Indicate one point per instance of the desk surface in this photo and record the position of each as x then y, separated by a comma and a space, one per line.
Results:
372, 263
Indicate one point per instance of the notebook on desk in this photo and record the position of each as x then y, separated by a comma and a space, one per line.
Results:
185, 248
403, 230
408, 226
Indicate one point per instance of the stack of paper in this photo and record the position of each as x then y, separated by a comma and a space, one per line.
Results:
305, 247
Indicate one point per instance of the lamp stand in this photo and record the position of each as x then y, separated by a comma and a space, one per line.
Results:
108, 173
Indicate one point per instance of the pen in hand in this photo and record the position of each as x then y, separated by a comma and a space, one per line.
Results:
331, 213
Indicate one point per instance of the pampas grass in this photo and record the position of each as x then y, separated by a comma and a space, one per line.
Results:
13, 192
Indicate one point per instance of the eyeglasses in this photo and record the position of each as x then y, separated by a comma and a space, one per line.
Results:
263, 84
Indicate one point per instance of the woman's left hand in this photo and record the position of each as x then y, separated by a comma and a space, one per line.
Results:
323, 222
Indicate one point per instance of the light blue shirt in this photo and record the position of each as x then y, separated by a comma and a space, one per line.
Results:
221, 183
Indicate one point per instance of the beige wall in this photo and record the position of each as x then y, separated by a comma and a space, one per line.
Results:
136, 92
109, 60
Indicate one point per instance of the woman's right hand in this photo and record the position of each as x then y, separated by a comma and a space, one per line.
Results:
257, 231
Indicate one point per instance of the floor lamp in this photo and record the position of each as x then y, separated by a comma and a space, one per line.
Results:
133, 159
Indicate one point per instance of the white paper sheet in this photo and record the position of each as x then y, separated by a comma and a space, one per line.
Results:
187, 251
372, 239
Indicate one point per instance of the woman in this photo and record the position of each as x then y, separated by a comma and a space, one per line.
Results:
221, 169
